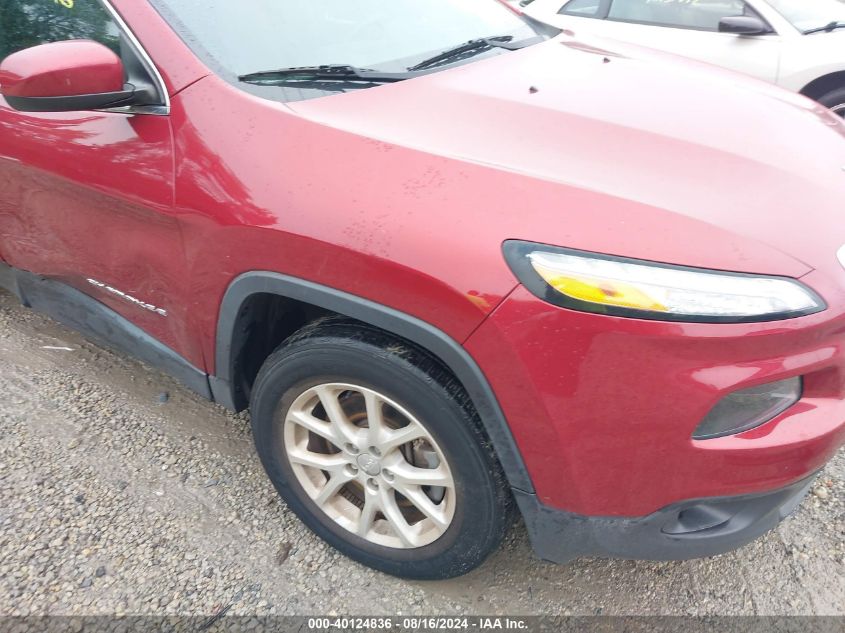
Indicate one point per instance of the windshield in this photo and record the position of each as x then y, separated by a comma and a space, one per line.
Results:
806, 15
389, 35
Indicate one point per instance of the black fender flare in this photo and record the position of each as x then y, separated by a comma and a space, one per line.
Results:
437, 342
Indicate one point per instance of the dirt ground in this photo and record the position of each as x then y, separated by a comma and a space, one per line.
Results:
121, 492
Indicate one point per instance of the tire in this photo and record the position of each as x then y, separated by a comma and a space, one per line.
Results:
362, 370
835, 100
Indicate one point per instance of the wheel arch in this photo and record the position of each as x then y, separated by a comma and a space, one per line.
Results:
231, 329
824, 84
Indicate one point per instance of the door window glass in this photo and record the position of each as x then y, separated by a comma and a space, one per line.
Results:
26, 23
688, 14
583, 8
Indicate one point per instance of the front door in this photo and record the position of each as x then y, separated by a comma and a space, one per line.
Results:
86, 198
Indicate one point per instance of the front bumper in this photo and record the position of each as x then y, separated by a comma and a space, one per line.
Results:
689, 529
603, 409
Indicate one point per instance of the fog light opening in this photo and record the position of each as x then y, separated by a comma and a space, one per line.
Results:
746, 409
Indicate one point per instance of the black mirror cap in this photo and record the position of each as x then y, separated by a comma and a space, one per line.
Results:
744, 25
74, 102
138, 94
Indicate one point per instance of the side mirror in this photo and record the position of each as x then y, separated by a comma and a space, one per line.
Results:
744, 25
64, 76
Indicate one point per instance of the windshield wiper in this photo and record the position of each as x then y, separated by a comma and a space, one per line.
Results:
474, 47
827, 28
348, 73
333, 72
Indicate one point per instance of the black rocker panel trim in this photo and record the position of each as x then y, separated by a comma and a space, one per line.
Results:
8, 280
75, 309
403, 325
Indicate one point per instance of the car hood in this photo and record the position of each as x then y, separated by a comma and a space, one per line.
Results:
619, 149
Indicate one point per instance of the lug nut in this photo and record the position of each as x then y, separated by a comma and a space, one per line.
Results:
388, 476
372, 484
351, 470
374, 451
351, 448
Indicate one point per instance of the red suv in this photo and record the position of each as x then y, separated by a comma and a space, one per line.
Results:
453, 263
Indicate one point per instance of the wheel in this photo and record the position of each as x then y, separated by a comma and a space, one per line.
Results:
377, 449
835, 100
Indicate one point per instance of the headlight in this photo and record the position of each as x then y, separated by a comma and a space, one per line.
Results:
636, 288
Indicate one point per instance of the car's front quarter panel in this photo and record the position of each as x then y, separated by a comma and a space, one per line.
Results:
268, 190
806, 58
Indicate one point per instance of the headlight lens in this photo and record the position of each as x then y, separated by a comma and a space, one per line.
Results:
636, 288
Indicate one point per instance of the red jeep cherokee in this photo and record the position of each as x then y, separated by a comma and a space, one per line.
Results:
449, 260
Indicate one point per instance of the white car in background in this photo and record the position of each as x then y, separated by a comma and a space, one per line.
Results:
796, 44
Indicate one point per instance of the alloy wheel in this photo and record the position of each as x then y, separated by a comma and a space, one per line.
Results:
369, 465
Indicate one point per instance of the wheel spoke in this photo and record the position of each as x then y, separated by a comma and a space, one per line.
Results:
392, 439
409, 475
375, 418
332, 487
317, 460
315, 425
368, 513
394, 516
415, 495
344, 430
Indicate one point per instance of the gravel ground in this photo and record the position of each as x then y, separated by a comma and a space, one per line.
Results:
121, 492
